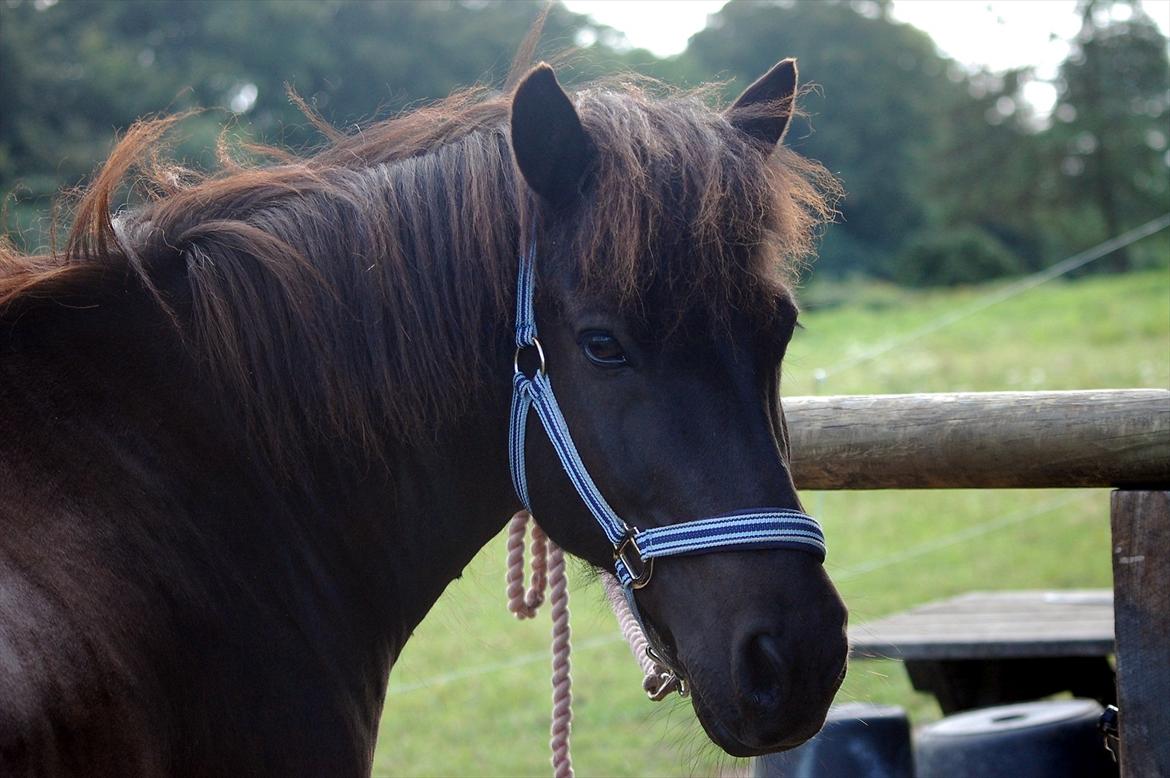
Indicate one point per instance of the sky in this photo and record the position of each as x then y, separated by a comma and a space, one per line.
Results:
997, 34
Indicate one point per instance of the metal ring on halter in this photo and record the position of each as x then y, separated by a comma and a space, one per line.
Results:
539, 352
638, 579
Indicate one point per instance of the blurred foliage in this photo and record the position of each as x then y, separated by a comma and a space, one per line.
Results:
873, 118
1116, 105
965, 255
74, 72
943, 167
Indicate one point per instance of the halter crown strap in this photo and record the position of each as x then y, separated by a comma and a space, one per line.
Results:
634, 549
525, 288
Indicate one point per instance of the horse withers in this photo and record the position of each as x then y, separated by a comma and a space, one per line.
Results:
251, 429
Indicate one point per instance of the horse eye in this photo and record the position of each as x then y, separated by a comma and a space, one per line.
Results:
603, 349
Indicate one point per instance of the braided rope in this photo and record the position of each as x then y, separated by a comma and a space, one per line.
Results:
541, 550
548, 572
652, 672
562, 717
517, 605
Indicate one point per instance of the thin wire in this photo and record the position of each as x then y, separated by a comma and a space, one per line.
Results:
522, 660
998, 296
1002, 522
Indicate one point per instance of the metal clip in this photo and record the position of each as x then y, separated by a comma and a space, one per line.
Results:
666, 683
668, 679
1110, 730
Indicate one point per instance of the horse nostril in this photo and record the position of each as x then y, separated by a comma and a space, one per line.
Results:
762, 671
768, 653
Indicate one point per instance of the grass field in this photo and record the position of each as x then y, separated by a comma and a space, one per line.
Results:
470, 694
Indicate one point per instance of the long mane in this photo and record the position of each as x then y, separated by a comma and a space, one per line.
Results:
345, 293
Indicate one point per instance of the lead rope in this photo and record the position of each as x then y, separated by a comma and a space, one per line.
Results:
548, 570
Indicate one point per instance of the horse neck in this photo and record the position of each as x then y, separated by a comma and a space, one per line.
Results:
445, 230
420, 254
318, 580
435, 236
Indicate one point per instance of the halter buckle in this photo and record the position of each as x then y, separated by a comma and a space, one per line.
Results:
539, 352
640, 575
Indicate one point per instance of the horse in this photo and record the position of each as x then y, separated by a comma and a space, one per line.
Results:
252, 426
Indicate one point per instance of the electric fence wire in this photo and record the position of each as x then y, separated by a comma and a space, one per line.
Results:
999, 295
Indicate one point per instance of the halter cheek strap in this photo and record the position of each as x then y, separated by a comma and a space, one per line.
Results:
634, 550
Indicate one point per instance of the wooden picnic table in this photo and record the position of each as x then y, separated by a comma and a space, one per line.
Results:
999, 647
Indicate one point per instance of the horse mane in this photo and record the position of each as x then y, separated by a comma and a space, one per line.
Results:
343, 294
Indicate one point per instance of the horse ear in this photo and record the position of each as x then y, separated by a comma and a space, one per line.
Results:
763, 110
550, 145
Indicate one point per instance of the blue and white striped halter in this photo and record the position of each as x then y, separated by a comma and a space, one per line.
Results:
634, 549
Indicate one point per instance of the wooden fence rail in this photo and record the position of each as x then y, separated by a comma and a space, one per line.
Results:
1112, 437
1109, 438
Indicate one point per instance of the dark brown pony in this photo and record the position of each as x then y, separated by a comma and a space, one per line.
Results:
252, 427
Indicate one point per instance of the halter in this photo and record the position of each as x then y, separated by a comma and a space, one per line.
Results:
634, 550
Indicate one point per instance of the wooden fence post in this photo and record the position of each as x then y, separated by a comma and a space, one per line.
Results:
1141, 607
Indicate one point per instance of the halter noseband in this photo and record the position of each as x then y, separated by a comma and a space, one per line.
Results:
634, 550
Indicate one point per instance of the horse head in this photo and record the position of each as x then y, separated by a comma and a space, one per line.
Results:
660, 228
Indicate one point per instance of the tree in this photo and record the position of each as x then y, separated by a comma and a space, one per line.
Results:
993, 172
72, 72
935, 160
875, 118
1115, 102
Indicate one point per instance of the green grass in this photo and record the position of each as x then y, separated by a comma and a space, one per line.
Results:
470, 694
1104, 332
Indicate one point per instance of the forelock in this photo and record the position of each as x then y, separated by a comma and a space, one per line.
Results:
685, 216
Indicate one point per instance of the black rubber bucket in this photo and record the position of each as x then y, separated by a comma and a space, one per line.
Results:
868, 741
1050, 739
